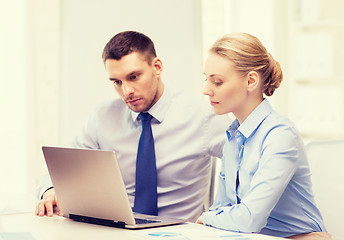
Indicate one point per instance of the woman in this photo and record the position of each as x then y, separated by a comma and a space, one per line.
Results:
264, 184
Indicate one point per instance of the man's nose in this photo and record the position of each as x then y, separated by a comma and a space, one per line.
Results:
127, 89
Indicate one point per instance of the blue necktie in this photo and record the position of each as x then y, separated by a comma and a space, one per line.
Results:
146, 196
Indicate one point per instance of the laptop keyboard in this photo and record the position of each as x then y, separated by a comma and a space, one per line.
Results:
144, 221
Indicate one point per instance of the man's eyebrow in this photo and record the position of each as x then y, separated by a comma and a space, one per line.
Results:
134, 73
128, 75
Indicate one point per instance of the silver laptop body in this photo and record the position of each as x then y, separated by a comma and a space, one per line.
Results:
89, 188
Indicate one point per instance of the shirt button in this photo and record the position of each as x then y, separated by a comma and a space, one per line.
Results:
242, 146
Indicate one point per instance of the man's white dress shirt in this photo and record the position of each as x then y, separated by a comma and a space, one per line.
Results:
186, 135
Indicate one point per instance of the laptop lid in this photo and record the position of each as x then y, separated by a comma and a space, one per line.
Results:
89, 187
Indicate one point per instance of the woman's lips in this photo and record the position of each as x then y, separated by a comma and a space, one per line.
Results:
212, 103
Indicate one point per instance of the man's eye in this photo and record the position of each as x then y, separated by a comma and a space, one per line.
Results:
133, 77
217, 83
117, 82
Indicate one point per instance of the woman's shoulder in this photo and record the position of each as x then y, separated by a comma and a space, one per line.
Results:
279, 128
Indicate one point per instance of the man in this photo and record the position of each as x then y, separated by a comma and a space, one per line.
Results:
186, 133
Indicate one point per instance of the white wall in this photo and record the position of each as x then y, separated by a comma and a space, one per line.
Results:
14, 97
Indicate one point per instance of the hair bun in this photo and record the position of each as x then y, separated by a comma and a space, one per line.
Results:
274, 80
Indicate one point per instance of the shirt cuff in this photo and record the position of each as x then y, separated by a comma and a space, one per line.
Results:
45, 191
44, 186
208, 217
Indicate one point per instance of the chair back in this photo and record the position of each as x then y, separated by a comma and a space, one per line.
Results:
209, 198
326, 160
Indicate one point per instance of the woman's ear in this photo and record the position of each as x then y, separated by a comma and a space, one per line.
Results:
253, 79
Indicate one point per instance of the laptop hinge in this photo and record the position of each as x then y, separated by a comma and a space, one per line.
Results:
99, 221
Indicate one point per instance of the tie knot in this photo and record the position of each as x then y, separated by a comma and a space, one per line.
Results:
145, 116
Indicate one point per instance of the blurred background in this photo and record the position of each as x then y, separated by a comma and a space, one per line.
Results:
52, 75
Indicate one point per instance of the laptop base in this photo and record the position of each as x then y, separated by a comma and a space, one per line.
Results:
98, 221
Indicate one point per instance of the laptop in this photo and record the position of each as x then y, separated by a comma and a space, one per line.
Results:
90, 188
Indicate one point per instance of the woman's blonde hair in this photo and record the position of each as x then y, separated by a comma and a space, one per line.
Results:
249, 54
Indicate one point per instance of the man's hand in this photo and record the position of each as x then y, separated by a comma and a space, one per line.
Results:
46, 205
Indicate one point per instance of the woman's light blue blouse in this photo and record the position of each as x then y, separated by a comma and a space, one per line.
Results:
273, 195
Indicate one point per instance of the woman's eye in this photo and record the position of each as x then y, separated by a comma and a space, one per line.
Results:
217, 82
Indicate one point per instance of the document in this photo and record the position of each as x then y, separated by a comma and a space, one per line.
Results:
22, 236
196, 231
16, 236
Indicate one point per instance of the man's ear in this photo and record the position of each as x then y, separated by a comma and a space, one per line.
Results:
253, 79
157, 64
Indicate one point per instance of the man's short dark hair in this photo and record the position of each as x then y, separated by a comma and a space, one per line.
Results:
124, 43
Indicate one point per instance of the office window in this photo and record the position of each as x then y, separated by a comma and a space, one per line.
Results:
315, 59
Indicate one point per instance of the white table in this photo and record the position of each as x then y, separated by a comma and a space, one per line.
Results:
17, 217
59, 228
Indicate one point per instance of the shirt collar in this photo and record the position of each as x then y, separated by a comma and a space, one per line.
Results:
159, 109
255, 118
232, 129
252, 121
